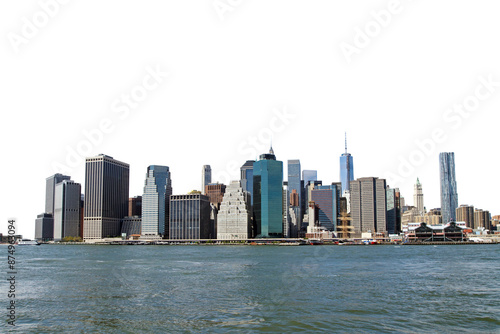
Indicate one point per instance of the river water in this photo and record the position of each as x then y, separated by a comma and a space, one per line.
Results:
272, 289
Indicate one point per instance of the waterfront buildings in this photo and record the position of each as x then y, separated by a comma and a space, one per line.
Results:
67, 196
482, 219
368, 205
44, 227
418, 198
449, 196
106, 196
233, 219
131, 225
246, 177
190, 217
156, 201
206, 177
135, 206
465, 213
268, 196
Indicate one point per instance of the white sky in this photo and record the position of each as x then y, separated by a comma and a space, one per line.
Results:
227, 76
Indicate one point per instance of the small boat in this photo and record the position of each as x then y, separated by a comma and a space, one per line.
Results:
28, 242
315, 242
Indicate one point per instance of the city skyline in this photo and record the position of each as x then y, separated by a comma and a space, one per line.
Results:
407, 94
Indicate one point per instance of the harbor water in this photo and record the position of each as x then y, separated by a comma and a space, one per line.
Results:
272, 289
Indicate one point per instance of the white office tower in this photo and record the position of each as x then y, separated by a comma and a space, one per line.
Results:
233, 219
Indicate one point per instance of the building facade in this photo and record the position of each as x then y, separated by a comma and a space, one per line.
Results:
268, 196
135, 206
233, 219
51, 182
246, 178
215, 193
448, 186
189, 217
106, 196
156, 201
131, 225
482, 219
206, 176
327, 199
44, 227
368, 205
67, 195
465, 213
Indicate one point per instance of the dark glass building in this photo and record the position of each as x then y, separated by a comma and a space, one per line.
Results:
327, 199
106, 196
268, 196
190, 217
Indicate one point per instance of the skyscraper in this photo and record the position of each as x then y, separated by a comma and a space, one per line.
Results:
418, 198
449, 195
268, 195
67, 195
206, 177
189, 217
392, 211
247, 178
309, 175
156, 201
346, 169
368, 205
51, 182
106, 196
233, 219
294, 177
327, 199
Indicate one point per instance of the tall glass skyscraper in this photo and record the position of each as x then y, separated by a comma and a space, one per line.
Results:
156, 201
346, 169
449, 195
268, 196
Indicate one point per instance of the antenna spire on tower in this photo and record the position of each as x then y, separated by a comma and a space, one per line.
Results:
345, 142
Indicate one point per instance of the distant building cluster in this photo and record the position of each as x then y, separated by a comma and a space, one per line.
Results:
261, 204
